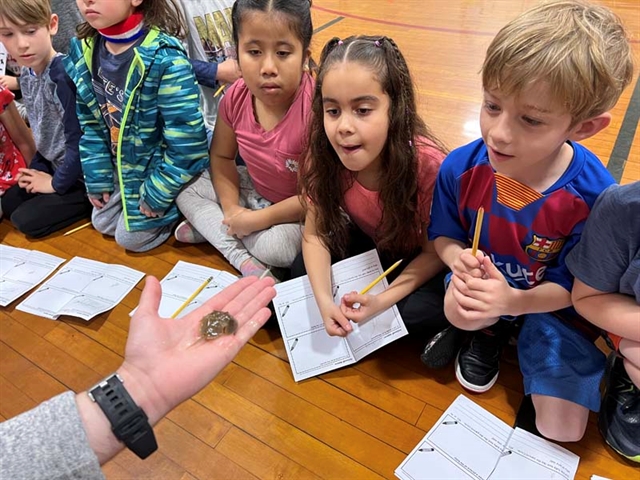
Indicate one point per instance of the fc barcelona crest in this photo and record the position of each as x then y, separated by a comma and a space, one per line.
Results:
543, 249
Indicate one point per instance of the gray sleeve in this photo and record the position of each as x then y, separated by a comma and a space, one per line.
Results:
601, 257
47, 442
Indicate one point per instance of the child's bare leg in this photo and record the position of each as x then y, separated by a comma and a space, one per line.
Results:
630, 350
560, 420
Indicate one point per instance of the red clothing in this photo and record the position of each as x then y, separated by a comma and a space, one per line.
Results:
10, 156
363, 205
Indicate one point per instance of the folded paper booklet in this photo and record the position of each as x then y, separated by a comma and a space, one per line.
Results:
82, 288
467, 442
183, 280
21, 270
310, 349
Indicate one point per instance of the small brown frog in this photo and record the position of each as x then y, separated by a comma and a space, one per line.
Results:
217, 324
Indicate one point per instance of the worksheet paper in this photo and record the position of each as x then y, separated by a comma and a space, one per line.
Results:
310, 349
82, 288
21, 270
184, 279
467, 442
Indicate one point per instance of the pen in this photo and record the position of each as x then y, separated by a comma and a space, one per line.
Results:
384, 274
190, 299
476, 233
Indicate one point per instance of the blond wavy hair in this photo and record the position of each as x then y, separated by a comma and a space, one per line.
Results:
580, 50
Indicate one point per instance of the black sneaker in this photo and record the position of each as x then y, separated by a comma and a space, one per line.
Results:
619, 419
442, 348
526, 416
478, 363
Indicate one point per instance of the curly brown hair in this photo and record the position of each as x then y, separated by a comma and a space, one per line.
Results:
165, 15
400, 229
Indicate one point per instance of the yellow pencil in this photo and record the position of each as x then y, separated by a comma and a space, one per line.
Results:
190, 299
476, 233
74, 230
219, 91
384, 274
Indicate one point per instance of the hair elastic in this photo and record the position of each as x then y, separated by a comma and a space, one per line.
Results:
340, 42
377, 43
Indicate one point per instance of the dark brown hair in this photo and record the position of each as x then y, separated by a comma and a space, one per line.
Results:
400, 228
298, 13
165, 15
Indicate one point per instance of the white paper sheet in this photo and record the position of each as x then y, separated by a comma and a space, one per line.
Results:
468, 442
82, 288
184, 279
21, 270
310, 349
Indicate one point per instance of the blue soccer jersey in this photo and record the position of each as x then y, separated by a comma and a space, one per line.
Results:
526, 233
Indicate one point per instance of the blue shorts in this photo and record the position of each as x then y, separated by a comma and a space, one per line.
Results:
557, 360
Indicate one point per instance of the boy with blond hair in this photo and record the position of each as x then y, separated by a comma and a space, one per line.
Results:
549, 78
50, 194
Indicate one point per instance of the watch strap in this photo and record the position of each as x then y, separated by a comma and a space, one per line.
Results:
128, 421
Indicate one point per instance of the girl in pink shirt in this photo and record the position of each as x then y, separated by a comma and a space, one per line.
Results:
252, 214
368, 183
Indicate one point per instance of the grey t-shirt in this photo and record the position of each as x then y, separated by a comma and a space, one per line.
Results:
607, 257
48, 442
208, 39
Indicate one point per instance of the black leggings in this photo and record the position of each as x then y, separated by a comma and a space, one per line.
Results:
422, 310
38, 215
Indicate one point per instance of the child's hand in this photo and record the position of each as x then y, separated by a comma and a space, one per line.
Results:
367, 306
467, 266
460, 316
335, 323
35, 181
147, 213
241, 223
9, 82
487, 297
100, 202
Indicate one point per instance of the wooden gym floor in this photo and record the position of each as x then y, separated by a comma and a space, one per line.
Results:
359, 422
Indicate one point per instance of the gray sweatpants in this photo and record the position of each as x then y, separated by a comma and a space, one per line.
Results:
109, 220
276, 246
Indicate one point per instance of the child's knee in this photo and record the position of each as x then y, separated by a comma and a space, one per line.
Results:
630, 350
560, 420
29, 223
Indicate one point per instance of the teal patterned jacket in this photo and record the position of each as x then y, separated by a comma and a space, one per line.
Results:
162, 142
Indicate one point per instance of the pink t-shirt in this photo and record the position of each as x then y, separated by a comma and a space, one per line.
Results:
271, 157
10, 156
363, 205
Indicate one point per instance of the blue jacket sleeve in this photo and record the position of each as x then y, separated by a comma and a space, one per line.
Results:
67, 174
206, 73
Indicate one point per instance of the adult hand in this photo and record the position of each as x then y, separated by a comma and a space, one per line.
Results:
228, 71
35, 181
166, 361
367, 306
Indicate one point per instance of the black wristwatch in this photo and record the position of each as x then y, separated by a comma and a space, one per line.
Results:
128, 421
